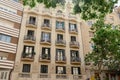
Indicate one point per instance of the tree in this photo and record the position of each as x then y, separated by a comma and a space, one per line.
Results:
106, 49
88, 9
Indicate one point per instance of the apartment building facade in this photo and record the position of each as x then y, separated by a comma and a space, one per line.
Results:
50, 45
10, 22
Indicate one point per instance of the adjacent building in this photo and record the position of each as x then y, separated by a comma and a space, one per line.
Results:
112, 18
50, 45
10, 23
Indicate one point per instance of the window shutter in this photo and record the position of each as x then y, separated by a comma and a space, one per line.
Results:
69, 26
32, 48
71, 70
56, 24
64, 70
41, 36
63, 25
49, 52
63, 51
56, 69
79, 70
43, 50
24, 49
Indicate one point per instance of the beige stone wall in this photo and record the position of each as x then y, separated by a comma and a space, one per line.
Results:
40, 13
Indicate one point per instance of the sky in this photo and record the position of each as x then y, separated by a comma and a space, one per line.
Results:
118, 3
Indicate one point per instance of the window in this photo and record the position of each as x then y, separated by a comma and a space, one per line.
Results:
59, 37
45, 53
32, 20
28, 49
74, 55
46, 37
5, 38
91, 46
60, 54
59, 25
44, 68
60, 70
3, 58
7, 9
26, 68
46, 21
73, 38
28, 52
89, 23
75, 70
30, 33
3, 75
59, 11
72, 27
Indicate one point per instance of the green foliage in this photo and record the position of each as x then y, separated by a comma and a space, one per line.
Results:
106, 49
89, 9
48, 3
94, 9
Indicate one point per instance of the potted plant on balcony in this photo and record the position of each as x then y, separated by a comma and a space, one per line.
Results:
30, 55
45, 56
33, 53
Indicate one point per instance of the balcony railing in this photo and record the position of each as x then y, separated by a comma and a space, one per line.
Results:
74, 31
74, 44
46, 41
46, 26
60, 42
76, 77
60, 29
25, 75
28, 38
28, 56
60, 59
61, 76
44, 75
45, 58
75, 60
32, 24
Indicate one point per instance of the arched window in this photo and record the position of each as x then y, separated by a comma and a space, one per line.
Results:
59, 11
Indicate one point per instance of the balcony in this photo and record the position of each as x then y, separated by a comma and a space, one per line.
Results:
46, 41
60, 43
61, 76
25, 75
44, 75
6, 64
46, 26
60, 15
75, 60
44, 58
60, 29
77, 77
29, 39
73, 31
31, 24
28, 56
46, 12
61, 59
74, 44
